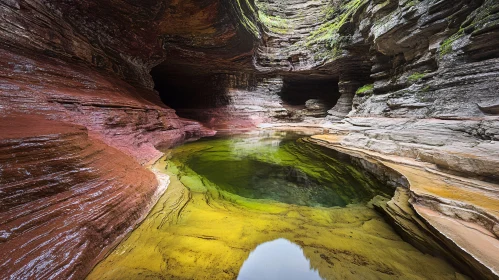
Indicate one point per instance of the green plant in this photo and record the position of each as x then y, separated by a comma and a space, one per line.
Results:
412, 3
327, 33
415, 77
446, 46
274, 23
365, 88
247, 19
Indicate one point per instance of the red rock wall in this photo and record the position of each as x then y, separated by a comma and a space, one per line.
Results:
65, 198
117, 36
66, 195
131, 119
73, 134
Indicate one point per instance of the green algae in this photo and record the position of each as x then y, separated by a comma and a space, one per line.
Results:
475, 23
247, 15
327, 34
365, 88
275, 24
325, 40
415, 77
201, 230
446, 45
292, 172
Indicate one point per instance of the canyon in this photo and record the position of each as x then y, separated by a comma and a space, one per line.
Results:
92, 93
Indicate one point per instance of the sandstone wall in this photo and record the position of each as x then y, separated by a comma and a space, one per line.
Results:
65, 198
73, 133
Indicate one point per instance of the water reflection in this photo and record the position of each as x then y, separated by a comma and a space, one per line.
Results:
281, 168
277, 259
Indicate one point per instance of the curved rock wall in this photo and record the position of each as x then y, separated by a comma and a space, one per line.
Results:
65, 198
131, 119
73, 133
120, 38
421, 59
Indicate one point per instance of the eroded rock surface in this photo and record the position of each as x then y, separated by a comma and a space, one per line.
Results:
131, 119
439, 213
65, 198
74, 133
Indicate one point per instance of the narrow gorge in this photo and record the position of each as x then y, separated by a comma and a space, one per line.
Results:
211, 139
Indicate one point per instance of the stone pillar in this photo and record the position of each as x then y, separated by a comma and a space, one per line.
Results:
347, 91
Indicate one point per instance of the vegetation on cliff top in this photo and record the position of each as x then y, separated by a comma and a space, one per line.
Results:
246, 13
275, 24
326, 39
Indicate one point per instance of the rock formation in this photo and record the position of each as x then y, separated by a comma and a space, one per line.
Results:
78, 115
83, 88
66, 197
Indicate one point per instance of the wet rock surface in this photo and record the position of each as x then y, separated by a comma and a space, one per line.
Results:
65, 197
439, 213
74, 133
201, 229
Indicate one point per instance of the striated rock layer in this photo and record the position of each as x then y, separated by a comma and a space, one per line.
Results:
131, 119
69, 192
73, 133
65, 198
440, 214
392, 59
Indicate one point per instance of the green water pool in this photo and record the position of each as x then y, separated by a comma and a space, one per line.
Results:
267, 206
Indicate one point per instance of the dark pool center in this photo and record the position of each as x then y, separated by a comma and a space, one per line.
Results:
287, 170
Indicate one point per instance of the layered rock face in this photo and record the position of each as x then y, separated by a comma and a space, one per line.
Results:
131, 119
66, 198
427, 64
418, 59
416, 79
394, 67
430, 93
78, 116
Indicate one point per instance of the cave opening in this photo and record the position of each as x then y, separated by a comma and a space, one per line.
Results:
182, 91
309, 92
197, 94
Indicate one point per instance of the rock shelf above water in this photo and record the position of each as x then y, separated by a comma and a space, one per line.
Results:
452, 209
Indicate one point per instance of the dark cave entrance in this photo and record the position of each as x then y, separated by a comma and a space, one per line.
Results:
309, 92
197, 94
183, 91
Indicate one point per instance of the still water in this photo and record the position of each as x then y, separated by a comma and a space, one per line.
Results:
267, 206
277, 259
